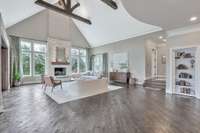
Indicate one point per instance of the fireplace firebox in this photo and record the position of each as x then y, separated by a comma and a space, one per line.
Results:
60, 71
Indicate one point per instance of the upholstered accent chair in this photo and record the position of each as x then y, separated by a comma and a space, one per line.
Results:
50, 82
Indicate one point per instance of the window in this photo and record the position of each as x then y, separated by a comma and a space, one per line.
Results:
79, 60
98, 64
26, 63
74, 64
39, 64
33, 57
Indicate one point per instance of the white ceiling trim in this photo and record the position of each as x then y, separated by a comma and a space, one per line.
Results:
184, 30
127, 37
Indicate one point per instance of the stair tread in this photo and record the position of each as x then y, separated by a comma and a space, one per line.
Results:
155, 83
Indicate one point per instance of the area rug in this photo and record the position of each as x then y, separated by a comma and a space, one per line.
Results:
68, 94
153, 89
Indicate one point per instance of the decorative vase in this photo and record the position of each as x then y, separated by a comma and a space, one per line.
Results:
17, 83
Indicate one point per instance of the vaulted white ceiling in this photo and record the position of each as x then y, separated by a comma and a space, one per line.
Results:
168, 14
133, 18
14, 11
110, 25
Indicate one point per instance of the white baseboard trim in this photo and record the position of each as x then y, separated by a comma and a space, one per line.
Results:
161, 76
31, 82
158, 76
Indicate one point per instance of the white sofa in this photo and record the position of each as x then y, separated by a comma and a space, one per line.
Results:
90, 84
82, 77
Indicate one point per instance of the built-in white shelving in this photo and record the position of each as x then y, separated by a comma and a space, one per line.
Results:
185, 71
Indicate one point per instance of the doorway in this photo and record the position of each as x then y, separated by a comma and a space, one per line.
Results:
154, 63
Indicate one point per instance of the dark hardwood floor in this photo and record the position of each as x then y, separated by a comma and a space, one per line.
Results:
128, 110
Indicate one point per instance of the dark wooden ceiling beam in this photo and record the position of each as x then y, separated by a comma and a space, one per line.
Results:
111, 3
64, 3
62, 11
69, 4
74, 7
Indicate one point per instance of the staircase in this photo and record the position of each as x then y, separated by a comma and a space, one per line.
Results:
155, 83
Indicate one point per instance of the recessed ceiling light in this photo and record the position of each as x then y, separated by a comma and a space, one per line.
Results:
164, 40
160, 37
193, 19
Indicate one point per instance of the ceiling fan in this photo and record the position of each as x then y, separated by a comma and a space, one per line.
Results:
65, 7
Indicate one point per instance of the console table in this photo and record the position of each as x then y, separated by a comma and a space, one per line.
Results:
121, 77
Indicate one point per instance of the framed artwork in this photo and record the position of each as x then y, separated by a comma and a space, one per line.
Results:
60, 54
120, 62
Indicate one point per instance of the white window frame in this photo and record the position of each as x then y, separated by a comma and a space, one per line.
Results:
32, 53
79, 57
98, 56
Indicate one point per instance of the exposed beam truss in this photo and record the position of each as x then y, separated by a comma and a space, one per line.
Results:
111, 3
66, 9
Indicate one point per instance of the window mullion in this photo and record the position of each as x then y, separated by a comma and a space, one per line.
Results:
32, 60
79, 60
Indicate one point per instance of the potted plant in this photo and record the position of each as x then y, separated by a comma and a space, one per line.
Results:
17, 79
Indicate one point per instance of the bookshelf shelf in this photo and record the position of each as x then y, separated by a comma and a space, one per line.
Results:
185, 71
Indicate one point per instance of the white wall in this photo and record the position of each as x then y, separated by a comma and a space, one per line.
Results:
59, 26
162, 51
139, 50
35, 27
135, 48
49, 24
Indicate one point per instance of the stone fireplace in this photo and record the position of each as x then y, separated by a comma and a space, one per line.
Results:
58, 49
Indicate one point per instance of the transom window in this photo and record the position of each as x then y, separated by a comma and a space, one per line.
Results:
79, 60
33, 57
